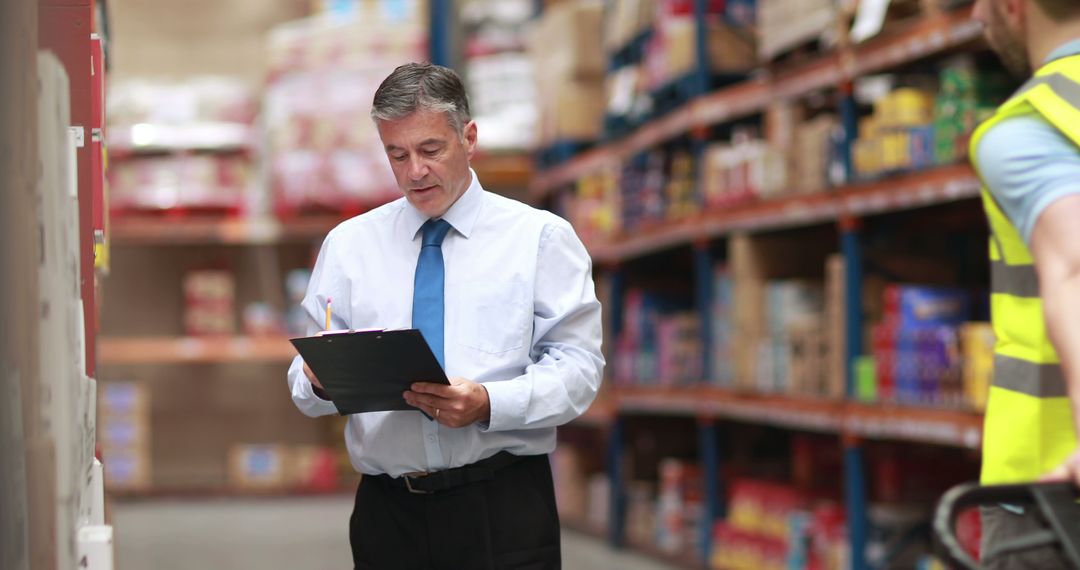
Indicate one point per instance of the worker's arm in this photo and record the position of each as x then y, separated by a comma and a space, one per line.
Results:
1055, 244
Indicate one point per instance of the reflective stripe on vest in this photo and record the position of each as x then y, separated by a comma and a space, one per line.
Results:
1062, 86
1029, 428
1039, 380
1018, 280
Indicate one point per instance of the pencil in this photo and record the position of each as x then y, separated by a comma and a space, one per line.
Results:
327, 313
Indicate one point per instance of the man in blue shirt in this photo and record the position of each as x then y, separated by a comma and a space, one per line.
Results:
503, 294
1029, 161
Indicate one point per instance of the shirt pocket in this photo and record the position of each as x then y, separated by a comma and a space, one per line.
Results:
493, 315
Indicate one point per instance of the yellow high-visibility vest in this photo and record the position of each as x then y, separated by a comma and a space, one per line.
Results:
1028, 429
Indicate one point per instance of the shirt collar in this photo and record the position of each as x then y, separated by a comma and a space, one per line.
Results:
462, 214
1064, 50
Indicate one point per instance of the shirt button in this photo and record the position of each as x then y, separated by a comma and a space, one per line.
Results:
431, 438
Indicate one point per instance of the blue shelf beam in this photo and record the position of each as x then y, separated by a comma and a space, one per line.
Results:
855, 499
715, 509
441, 21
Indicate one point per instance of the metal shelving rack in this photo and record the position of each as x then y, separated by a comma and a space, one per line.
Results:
931, 34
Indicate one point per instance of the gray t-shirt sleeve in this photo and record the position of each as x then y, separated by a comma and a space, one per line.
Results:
1027, 164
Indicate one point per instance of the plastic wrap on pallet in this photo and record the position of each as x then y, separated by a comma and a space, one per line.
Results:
323, 73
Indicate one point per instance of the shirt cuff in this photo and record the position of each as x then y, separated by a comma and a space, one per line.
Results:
507, 406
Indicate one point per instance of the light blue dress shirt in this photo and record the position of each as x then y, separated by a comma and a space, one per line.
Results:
1028, 164
521, 317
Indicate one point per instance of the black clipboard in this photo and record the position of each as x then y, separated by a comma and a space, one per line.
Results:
367, 371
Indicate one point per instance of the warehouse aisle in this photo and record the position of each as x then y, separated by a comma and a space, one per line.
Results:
276, 534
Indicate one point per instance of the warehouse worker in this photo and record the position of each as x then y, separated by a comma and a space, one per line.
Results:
504, 295
1028, 158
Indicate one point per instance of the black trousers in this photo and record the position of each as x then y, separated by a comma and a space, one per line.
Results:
507, 522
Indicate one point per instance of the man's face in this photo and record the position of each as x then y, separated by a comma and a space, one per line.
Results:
429, 158
1003, 26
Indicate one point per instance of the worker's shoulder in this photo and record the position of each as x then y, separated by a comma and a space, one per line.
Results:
1020, 140
369, 221
520, 212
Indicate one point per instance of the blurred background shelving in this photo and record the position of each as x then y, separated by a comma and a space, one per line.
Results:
786, 237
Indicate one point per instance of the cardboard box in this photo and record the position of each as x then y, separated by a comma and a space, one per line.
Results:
730, 50
785, 24
625, 20
127, 469
123, 399
836, 326
571, 110
811, 157
754, 261
566, 41
259, 466
117, 432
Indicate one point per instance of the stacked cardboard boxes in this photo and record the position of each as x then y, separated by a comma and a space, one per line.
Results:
671, 51
124, 435
763, 346
568, 60
625, 21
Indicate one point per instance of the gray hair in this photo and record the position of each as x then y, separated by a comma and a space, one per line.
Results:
415, 86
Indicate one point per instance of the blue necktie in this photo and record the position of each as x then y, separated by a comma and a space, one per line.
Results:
427, 313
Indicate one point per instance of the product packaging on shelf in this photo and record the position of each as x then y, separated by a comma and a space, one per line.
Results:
181, 146
209, 302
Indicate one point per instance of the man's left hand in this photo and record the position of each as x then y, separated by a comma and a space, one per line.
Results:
1069, 471
462, 403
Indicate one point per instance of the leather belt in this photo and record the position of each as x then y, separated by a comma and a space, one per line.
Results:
426, 483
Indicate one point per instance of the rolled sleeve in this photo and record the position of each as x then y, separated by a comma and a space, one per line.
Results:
303, 393
1027, 164
325, 283
567, 363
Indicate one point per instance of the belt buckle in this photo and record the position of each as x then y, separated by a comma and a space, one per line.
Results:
408, 482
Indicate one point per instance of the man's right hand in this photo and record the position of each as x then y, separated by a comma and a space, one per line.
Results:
311, 377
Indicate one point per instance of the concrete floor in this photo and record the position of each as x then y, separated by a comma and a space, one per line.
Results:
277, 534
